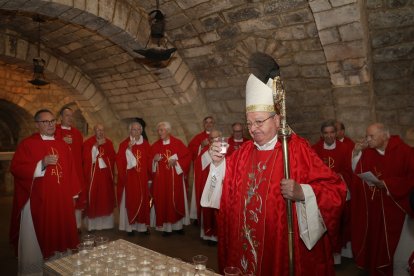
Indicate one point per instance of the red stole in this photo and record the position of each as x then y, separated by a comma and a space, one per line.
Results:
252, 217
135, 181
168, 190
381, 212
101, 195
51, 196
76, 150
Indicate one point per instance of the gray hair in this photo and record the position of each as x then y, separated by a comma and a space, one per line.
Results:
167, 125
134, 123
328, 123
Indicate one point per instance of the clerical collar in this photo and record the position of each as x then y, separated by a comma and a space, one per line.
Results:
166, 142
237, 140
65, 127
139, 141
342, 139
268, 146
329, 147
382, 152
46, 137
208, 132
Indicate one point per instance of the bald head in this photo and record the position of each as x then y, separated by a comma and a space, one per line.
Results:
99, 131
377, 136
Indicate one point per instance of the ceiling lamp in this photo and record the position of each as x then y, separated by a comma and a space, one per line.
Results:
158, 56
38, 62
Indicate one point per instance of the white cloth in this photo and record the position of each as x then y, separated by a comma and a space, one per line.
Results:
329, 147
405, 247
124, 221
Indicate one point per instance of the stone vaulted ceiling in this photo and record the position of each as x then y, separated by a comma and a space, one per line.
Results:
344, 59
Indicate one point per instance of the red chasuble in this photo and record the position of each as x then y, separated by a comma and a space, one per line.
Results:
76, 149
135, 181
348, 143
252, 229
233, 145
51, 196
101, 194
209, 214
339, 160
167, 186
195, 143
381, 212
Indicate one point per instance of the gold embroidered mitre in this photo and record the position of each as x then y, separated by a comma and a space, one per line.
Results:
259, 96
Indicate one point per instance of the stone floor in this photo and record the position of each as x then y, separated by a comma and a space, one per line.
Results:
178, 246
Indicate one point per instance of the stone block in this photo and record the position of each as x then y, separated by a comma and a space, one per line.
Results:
400, 51
191, 42
349, 50
51, 64
394, 88
299, 16
394, 70
351, 31
337, 16
314, 71
212, 22
106, 9
241, 14
121, 15
281, 6
259, 24
87, 92
21, 49
209, 37
167, 82
393, 18
329, 36
319, 5
308, 58
236, 105
186, 4
61, 68
338, 3
198, 51
176, 21
291, 32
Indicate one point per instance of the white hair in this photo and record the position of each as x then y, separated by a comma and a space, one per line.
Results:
134, 123
167, 125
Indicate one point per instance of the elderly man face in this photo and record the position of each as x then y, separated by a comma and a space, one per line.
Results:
135, 130
99, 132
329, 135
46, 124
263, 126
163, 132
238, 131
376, 136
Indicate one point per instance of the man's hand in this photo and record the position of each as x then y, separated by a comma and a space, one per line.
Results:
204, 143
172, 162
214, 152
157, 157
290, 189
359, 146
68, 139
131, 143
50, 160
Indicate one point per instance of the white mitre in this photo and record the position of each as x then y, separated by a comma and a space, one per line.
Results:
259, 96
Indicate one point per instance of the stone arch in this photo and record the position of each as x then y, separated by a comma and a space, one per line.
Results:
124, 23
15, 124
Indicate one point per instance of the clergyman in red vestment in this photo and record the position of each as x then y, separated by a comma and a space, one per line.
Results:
45, 185
236, 140
249, 189
196, 146
338, 158
208, 216
99, 161
170, 164
382, 200
73, 137
341, 137
134, 171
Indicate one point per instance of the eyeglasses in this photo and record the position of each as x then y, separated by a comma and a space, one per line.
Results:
257, 123
46, 122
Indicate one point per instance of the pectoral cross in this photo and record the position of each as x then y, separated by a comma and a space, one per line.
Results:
138, 156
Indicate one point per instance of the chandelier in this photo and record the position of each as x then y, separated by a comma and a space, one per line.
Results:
38, 62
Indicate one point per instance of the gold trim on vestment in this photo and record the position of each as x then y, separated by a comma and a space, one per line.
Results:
260, 107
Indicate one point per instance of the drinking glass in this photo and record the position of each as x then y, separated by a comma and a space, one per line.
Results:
224, 144
232, 271
89, 240
200, 264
